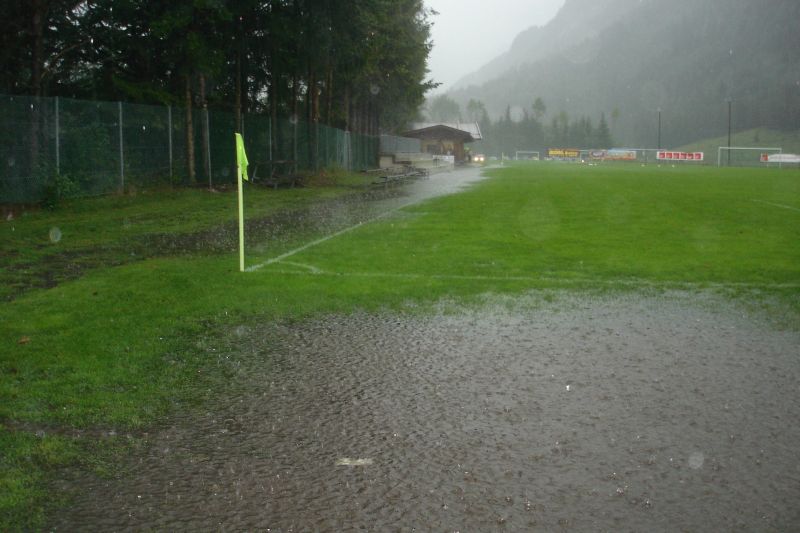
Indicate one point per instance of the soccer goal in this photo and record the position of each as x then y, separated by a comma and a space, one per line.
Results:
526, 155
744, 156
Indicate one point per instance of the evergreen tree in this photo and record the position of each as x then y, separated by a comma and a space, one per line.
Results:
603, 135
442, 108
539, 109
357, 64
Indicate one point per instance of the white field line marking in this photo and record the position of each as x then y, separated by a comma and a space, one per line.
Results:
310, 268
323, 239
778, 205
457, 277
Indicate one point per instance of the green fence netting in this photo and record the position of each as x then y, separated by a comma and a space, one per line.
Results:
71, 148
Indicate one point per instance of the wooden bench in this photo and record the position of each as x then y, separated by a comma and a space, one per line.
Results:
277, 177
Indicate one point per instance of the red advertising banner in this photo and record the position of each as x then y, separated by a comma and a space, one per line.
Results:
679, 156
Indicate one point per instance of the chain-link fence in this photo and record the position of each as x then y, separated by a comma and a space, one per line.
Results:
60, 147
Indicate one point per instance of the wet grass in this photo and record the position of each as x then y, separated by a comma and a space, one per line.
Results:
42, 247
604, 225
117, 348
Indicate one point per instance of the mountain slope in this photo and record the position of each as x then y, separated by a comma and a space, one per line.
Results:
683, 56
576, 21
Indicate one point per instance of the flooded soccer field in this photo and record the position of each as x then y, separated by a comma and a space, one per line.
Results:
555, 347
382, 266
542, 412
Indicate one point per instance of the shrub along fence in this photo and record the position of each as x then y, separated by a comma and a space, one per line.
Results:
61, 147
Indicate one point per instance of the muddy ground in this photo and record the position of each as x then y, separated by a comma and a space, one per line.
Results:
672, 412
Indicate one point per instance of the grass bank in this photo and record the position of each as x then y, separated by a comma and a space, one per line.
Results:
40, 248
106, 354
789, 141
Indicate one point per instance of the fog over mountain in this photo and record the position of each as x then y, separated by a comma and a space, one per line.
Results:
629, 58
576, 22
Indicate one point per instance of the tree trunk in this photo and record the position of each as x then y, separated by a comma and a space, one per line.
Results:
312, 95
189, 131
38, 9
274, 80
238, 97
329, 103
273, 115
206, 133
348, 122
295, 121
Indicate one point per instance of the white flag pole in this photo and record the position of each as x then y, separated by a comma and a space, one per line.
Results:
241, 220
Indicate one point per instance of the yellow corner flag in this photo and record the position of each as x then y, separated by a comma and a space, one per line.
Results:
241, 164
241, 156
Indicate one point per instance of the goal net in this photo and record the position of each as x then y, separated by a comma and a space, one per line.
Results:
526, 155
745, 156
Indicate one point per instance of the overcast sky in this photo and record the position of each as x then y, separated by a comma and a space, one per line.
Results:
468, 33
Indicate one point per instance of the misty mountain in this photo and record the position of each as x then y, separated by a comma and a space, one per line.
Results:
628, 58
575, 22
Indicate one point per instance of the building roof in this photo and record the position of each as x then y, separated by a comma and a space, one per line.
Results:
471, 129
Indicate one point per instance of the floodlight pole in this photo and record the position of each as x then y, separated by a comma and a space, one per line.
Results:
730, 102
659, 128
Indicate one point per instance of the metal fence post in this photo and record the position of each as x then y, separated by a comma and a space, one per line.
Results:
58, 147
169, 127
294, 144
121, 153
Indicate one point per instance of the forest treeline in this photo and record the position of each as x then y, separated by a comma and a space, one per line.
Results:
358, 65
526, 129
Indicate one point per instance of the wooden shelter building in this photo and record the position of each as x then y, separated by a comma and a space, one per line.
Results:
438, 138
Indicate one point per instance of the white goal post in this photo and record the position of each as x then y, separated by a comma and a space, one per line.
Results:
529, 153
745, 154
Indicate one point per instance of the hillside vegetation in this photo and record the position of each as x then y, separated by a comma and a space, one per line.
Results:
683, 57
756, 137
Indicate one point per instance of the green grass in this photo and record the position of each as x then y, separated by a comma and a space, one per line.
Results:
113, 230
605, 224
119, 347
26, 460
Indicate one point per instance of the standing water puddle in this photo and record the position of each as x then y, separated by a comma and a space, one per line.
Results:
649, 413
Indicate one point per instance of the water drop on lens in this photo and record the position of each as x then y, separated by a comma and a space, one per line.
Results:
696, 460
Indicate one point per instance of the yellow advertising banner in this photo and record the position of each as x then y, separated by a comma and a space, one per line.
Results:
563, 153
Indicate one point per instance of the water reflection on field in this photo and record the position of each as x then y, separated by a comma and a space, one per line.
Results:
587, 414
